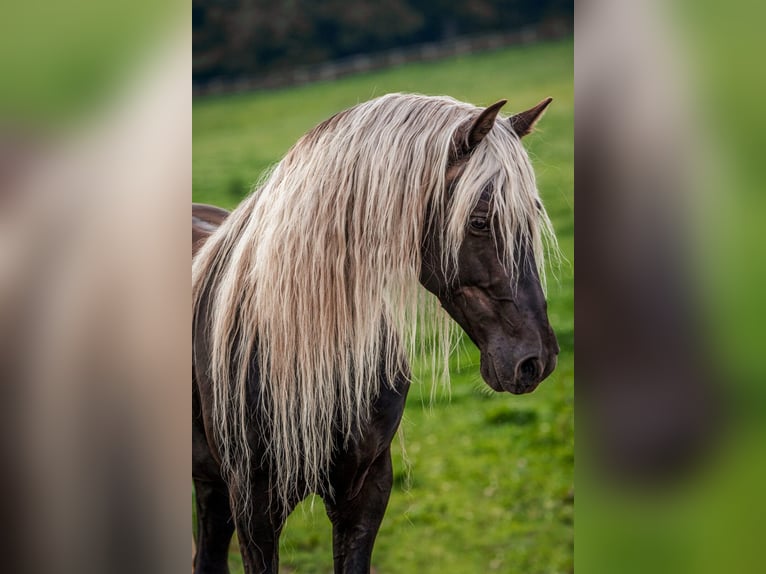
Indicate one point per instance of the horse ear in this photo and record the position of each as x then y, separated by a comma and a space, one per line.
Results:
470, 135
524, 122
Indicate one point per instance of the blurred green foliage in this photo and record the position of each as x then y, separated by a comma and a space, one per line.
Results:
488, 487
60, 60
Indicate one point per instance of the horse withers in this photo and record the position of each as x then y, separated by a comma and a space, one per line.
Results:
306, 308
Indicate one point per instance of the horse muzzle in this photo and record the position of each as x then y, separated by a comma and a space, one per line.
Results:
518, 376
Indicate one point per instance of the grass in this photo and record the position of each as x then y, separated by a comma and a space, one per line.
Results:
489, 482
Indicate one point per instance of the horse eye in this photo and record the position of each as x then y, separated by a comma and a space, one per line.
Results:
478, 223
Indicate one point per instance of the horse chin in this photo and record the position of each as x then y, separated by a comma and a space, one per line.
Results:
489, 373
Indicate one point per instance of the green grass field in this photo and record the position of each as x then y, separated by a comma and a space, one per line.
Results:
490, 476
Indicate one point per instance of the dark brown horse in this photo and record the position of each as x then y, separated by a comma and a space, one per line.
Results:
205, 220
304, 274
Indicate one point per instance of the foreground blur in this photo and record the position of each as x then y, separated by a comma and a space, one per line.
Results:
94, 299
669, 282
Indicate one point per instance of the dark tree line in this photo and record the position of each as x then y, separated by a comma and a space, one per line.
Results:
234, 38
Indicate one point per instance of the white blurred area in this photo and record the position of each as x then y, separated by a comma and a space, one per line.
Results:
637, 152
94, 349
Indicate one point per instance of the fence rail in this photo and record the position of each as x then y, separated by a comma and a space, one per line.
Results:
391, 58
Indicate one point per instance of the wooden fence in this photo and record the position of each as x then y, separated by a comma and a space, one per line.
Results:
388, 59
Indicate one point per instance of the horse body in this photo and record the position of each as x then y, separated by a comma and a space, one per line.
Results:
360, 478
239, 431
362, 470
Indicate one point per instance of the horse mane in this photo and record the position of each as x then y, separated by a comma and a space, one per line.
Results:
313, 278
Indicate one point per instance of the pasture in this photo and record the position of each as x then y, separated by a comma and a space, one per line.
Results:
486, 482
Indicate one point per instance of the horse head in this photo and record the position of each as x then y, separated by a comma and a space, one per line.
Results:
499, 303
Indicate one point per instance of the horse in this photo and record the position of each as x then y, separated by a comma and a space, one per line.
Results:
312, 295
205, 220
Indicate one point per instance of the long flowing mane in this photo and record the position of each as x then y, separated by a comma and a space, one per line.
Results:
313, 279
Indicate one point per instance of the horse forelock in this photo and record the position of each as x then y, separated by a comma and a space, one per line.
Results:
315, 275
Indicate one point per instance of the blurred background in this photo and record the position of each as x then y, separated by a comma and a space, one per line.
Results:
246, 44
485, 482
670, 395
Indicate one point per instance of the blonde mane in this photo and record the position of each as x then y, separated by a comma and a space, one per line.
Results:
314, 277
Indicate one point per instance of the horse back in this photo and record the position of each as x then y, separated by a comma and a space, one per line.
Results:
205, 220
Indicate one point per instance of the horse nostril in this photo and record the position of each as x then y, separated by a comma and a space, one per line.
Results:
528, 369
